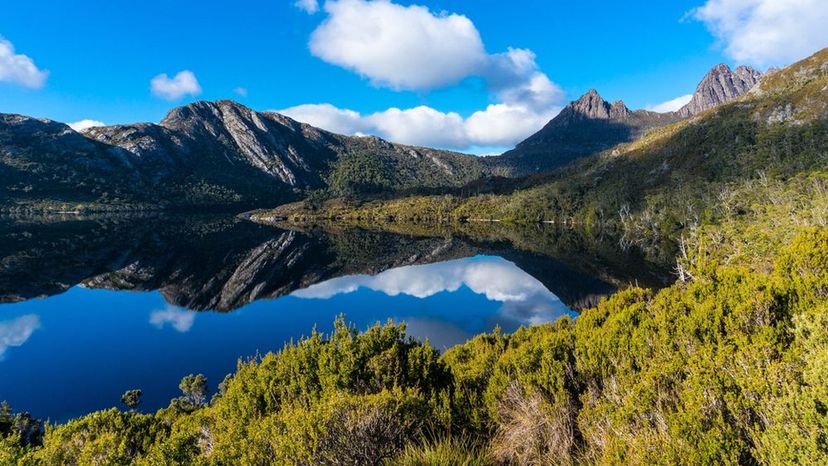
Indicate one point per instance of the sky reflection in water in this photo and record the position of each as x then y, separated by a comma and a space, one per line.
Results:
76, 352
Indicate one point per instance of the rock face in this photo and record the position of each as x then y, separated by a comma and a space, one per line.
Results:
591, 124
720, 85
585, 126
206, 154
43, 159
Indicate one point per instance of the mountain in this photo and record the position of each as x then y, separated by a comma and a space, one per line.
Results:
42, 159
591, 124
225, 155
766, 147
720, 85
206, 154
585, 126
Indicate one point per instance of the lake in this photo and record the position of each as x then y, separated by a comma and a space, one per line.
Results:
93, 306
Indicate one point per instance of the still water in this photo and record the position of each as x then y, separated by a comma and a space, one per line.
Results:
90, 308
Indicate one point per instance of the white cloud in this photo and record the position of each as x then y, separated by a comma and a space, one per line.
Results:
419, 124
330, 118
179, 319
504, 125
19, 69
515, 78
671, 105
310, 6
240, 91
14, 333
405, 48
412, 48
184, 83
767, 32
84, 124
498, 126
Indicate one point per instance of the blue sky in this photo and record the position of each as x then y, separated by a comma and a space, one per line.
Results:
447, 59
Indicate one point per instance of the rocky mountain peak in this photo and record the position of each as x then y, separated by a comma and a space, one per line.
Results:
720, 85
619, 110
591, 105
205, 113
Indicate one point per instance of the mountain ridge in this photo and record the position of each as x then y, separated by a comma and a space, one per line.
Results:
224, 154
591, 124
206, 153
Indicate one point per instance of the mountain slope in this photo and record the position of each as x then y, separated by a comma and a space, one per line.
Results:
42, 159
764, 143
590, 124
206, 154
585, 126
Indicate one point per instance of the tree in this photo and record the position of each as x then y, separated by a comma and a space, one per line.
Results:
6, 419
194, 388
132, 398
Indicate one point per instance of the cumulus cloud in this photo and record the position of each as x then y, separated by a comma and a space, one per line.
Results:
183, 83
19, 69
671, 105
515, 78
766, 32
402, 47
14, 333
329, 117
84, 124
413, 48
179, 319
310, 6
498, 126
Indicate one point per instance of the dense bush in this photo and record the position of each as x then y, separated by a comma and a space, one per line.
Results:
728, 367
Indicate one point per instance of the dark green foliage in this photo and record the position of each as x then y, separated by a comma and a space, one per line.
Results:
725, 368
359, 175
131, 398
194, 388
20, 434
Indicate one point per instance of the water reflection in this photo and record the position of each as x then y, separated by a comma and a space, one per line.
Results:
179, 319
526, 300
15, 332
122, 295
223, 263
498, 279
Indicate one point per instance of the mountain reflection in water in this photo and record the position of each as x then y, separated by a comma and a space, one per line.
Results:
91, 341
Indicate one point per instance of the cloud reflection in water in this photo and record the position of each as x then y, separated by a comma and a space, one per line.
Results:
525, 300
179, 319
14, 333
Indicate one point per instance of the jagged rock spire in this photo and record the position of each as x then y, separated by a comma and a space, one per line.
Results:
720, 85
591, 105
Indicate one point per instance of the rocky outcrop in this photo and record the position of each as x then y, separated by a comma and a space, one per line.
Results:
585, 126
720, 85
206, 154
273, 144
591, 124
